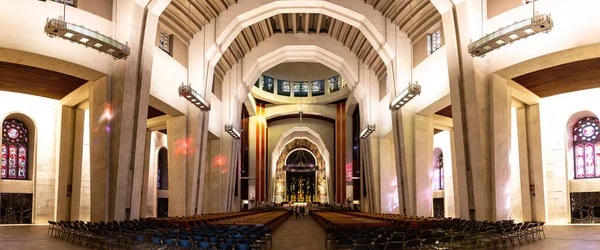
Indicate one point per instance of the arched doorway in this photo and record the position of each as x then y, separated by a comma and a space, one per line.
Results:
162, 183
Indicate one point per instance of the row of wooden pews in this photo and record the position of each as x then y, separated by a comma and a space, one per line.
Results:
412, 222
270, 219
201, 219
328, 219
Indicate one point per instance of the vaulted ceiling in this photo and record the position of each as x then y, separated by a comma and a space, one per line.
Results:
186, 17
292, 23
413, 17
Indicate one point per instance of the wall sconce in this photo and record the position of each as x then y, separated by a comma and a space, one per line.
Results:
191, 95
413, 89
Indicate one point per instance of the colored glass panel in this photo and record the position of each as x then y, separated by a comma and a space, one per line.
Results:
163, 42
301, 89
4, 161
587, 148
318, 88
14, 150
268, 84
334, 83
579, 173
283, 88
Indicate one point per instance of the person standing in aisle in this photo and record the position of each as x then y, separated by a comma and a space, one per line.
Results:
297, 213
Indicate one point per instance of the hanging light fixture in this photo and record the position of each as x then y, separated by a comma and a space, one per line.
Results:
511, 33
192, 96
59, 27
232, 131
367, 131
413, 89
302, 162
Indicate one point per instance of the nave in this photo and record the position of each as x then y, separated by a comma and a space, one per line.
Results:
318, 229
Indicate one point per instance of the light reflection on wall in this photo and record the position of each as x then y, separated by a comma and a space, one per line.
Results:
392, 197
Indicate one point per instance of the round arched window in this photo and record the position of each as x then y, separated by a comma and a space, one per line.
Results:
586, 147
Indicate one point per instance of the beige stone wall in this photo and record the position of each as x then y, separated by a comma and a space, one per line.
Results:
389, 182
557, 159
516, 206
420, 45
102, 8
84, 196
43, 112
497, 7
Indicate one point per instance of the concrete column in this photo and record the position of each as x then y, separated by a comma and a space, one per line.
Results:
536, 168
65, 163
403, 123
527, 200
178, 150
501, 141
423, 159
456, 184
469, 93
99, 149
77, 164
145, 178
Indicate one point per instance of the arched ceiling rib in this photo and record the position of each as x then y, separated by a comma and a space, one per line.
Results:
292, 23
413, 19
200, 12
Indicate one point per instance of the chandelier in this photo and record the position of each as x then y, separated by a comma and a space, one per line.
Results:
300, 161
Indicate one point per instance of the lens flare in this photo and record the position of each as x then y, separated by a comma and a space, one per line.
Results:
183, 146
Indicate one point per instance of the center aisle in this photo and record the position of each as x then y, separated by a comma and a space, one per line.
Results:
299, 235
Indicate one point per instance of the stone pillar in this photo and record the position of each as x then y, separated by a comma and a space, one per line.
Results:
469, 93
65, 163
178, 150
402, 128
527, 200
423, 159
500, 128
145, 178
99, 149
536, 168
77, 164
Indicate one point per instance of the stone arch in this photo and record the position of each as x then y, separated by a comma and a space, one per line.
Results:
311, 136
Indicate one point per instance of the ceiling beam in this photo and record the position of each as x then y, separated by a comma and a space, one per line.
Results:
319, 23
294, 22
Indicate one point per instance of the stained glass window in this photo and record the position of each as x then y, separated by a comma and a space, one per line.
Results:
268, 84
586, 147
15, 137
318, 87
301, 89
434, 41
257, 83
162, 180
438, 170
283, 87
163, 42
334, 83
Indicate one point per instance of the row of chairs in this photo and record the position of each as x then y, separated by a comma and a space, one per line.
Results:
135, 234
458, 235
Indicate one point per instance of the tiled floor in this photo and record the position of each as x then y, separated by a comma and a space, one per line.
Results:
306, 234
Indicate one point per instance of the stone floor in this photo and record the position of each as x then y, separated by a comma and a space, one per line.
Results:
303, 234
306, 234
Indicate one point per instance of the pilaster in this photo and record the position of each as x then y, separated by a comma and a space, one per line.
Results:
423, 160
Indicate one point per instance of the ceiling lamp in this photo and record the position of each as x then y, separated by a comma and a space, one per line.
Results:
413, 89
232, 131
300, 161
511, 33
89, 38
367, 131
192, 96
